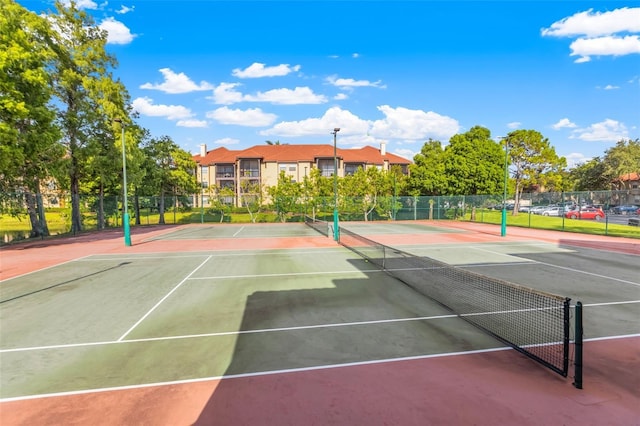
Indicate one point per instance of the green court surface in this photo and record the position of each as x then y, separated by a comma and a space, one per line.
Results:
114, 320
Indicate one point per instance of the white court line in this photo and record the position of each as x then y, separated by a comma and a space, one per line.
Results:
268, 252
284, 371
269, 330
44, 269
573, 270
239, 231
292, 274
164, 298
611, 303
229, 333
589, 273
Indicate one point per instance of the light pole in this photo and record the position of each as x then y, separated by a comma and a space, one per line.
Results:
202, 193
336, 228
503, 225
125, 210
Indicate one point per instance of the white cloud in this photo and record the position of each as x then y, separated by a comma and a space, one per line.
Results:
258, 70
297, 96
250, 118
125, 9
146, 107
176, 83
405, 153
117, 32
346, 83
575, 159
605, 131
604, 46
81, 4
403, 123
226, 141
596, 24
341, 97
611, 87
563, 123
514, 125
192, 123
332, 118
600, 33
355, 55
225, 94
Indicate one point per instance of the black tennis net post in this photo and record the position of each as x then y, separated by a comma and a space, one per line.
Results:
578, 346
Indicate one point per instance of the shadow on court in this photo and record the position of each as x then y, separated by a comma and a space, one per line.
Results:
347, 367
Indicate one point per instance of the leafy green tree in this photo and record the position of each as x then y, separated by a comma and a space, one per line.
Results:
251, 197
316, 191
221, 199
393, 182
29, 150
590, 176
622, 159
80, 68
362, 190
427, 173
473, 163
531, 157
169, 169
285, 195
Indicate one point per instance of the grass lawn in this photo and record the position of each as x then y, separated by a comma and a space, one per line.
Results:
527, 220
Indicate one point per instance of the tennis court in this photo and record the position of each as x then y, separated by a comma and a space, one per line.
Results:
278, 324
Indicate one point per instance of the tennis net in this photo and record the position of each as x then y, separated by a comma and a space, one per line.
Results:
533, 322
321, 226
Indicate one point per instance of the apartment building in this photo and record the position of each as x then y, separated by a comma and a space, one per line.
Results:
261, 164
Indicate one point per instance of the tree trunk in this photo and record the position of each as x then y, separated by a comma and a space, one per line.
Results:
42, 219
76, 218
30, 200
161, 209
136, 206
101, 222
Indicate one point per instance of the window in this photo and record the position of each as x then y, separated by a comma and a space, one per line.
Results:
287, 167
351, 168
227, 184
249, 168
326, 167
225, 171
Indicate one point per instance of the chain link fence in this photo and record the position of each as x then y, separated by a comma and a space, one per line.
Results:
20, 218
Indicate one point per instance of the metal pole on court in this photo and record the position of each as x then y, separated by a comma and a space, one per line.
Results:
503, 225
202, 194
125, 210
336, 228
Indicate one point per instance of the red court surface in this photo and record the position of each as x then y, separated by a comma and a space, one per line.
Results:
488, 388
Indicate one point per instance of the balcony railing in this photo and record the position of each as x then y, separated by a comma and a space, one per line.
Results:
248, 173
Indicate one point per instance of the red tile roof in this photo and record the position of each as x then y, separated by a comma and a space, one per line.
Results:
629, 177
295, 153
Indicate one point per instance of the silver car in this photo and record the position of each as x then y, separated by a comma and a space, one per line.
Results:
553, 211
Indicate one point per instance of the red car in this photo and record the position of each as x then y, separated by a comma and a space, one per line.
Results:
585, 213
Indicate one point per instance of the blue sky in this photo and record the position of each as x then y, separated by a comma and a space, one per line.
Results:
239, 73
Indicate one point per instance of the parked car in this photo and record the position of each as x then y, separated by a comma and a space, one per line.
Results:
585, 213
538, 209
553, 211
626, 209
